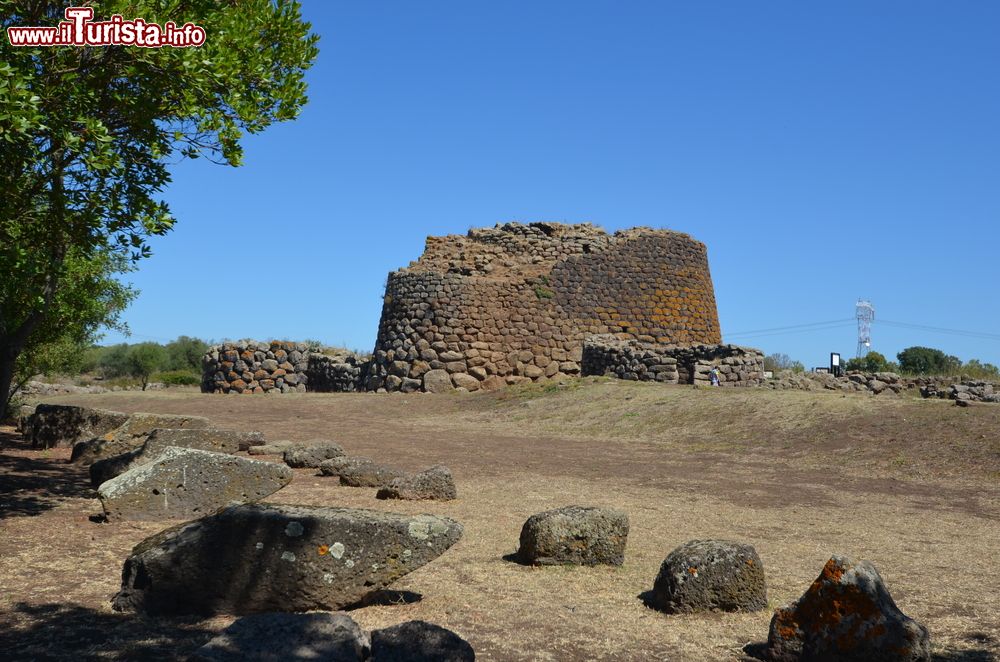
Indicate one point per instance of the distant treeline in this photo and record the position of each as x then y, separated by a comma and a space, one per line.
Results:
911, 361
176, 362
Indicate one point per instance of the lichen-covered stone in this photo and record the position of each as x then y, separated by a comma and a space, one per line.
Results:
419, 641
312, 453
260, 558
846, 615
435, 484
186, 483
576, 535
281, 637
130, 435
206, 439
710, 575
65, 425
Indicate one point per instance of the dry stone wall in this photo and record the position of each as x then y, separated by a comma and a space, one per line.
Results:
672, 364
278, 366
515, 303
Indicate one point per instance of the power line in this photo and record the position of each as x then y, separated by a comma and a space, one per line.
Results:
938, 329
794, 326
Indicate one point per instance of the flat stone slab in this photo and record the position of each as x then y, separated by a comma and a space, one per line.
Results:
434, 484
311, 454
575, 535
187, 482
279, 637
271, 448
132, 434
65, 425
359, 472
419, 641
207, 439
846, 615
710, 575
259, 558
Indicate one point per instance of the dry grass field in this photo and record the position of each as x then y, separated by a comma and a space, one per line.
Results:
912, 485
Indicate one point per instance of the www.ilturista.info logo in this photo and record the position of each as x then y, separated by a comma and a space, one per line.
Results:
80, 30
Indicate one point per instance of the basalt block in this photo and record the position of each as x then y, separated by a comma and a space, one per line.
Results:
259, 558
574, 535
64, 425
186, 483
130, 435
711, 575
846, 615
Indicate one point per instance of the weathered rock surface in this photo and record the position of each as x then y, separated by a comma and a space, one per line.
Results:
259, 558
23, 421
130, 435
711, 575
186, 482
435, 484
575, 535
64, 425
846, 615
277, 637
271, 448
312, 453
362, 472
437, 381
206, 439
419, 641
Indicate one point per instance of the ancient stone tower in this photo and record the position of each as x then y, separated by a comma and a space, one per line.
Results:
515, 302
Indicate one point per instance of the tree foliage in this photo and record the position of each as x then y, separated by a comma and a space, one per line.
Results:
870, 362
87, 134
144, 359
777, 361
927, 361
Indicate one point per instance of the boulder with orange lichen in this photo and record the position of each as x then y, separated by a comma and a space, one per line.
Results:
846, 615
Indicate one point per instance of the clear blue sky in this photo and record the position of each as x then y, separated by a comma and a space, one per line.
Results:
823, 153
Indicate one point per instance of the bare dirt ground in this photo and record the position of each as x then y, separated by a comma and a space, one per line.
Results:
910, 485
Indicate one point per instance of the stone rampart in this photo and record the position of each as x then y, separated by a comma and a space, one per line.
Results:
672, 364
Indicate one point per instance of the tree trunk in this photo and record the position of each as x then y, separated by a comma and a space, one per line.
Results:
8, 360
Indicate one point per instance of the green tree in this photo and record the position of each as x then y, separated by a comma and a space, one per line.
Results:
144, 359
185, 353
870, 362
927, 361
86, 135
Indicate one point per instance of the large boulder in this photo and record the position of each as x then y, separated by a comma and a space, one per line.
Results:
206, 439
419, 641
259, 558
271, 448
434, 484
23, 422
846, 615
360, 472
187, 482
277, 637
575, 535
130, 435
437, 381
710, 575
64, 425
312, 453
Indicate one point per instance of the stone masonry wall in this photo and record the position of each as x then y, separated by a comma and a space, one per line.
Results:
515, 302
672, 364
278, 366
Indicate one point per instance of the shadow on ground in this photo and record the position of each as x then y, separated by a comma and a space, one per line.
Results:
31, 483
74, 632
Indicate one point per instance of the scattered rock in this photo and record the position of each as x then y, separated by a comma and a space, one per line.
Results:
206, 439
64, 425
575, 535
186, 482
280, 637
130, 435
846, 615
419, 641
312, 453
435, 484
23, 421
259, 558
271, 448
362, 472
710, 575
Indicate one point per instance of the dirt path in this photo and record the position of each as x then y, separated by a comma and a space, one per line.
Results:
787, 486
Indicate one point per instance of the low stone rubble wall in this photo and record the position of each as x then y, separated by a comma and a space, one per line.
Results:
278, 366
671, 364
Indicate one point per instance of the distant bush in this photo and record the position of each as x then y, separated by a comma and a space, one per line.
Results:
144, 359
776, 362
871, 362
177, 378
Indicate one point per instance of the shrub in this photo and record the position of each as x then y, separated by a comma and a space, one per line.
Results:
177, 378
